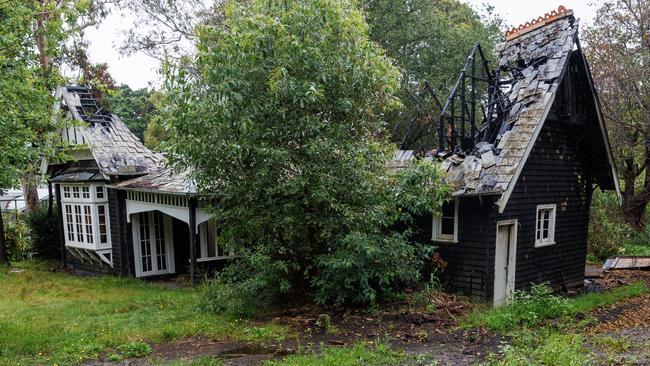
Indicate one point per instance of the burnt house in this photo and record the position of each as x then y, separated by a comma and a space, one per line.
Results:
122, 210
523, 146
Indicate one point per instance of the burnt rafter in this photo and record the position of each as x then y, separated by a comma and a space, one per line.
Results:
477, 105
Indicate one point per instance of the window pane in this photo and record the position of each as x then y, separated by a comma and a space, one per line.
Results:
69, 222
145, 242
448, 209
66, 192
89, 224
78, 223
101, 216
447, 226
161, 250
100, 192
75, 192
86, 192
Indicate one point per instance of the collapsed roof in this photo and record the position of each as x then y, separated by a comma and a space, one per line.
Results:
116, 150
530, 78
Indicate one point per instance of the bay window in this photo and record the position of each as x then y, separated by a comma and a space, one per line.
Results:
85, 216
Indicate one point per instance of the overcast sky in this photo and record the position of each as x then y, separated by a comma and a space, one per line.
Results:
139, 71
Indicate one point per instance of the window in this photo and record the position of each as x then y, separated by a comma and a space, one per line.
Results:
445, 226
101, 214
69, 222
85, 216
545, 228
209, 247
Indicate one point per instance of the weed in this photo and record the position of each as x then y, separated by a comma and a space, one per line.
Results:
359, 354
542, 346
530, 308
135, 349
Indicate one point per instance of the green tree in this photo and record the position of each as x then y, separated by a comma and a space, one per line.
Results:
155, 134
133, 107
33, 35
430, 41
24, 94
618, 49
281, 118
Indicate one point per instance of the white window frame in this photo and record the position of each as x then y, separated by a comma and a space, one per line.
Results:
550, 240
203, 239
436, 227
89, 236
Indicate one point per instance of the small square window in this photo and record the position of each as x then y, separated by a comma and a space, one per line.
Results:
75, 192
66, 192
545, 225
99, 191
85, 192
445, 226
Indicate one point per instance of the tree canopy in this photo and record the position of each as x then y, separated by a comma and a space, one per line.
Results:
282, 119
618, 49
429, 41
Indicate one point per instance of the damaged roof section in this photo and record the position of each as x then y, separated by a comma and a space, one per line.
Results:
114, 147
536, 60
162, 180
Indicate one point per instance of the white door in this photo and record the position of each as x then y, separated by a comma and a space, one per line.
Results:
504, 261
153, 246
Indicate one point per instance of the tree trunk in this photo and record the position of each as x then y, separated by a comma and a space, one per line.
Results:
4, 258
29, 184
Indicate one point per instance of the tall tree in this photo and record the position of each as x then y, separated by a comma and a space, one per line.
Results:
618, 48
281, 118
165, 29
54, 23
26, 116
430, 41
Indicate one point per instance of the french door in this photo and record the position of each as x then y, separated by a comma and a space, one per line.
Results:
153, 246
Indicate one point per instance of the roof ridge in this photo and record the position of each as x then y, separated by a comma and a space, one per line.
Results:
540, 21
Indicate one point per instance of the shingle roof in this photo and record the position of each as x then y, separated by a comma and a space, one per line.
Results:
162, 180
543, 56
114, 147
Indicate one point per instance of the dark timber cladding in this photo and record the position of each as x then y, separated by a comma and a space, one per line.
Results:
542, 147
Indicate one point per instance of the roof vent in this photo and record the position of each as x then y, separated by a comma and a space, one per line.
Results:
552, 16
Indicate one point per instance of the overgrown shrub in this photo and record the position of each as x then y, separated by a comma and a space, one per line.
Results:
44, 232
293, 145
17, 241
607, 230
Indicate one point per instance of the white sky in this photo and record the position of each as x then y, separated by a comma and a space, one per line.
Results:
139, 71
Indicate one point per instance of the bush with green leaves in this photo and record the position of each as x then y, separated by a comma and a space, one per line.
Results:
280, 119
44, 232
608, 232
17, 240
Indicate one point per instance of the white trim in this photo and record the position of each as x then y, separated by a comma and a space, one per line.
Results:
551, 225
436, 227
512, 260
179, 212
90, 202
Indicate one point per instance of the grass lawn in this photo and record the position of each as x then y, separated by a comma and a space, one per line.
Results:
55, 318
